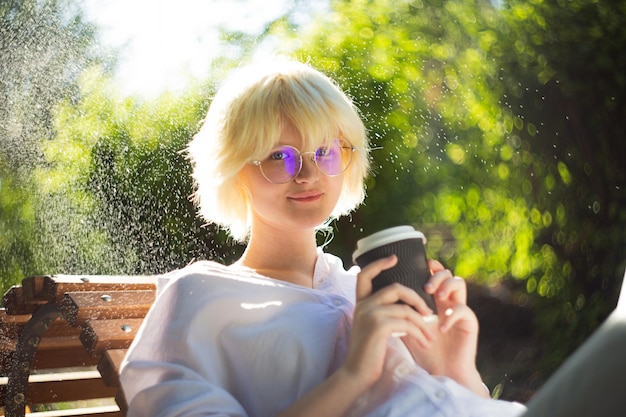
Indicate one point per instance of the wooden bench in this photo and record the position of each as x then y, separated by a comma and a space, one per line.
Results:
63, 338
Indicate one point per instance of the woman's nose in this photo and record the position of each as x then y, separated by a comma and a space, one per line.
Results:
309, 171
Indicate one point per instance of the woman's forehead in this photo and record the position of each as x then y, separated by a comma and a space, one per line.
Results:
301, 137
303, 145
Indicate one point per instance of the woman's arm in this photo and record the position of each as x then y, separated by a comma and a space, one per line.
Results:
376, 318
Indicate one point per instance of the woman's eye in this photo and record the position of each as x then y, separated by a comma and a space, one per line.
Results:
323, 151
278, 156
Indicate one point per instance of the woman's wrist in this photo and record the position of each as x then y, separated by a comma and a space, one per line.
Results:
333, 397
357, 383
474, 382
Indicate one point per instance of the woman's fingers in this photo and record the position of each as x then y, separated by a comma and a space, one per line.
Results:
458, 313
395, 293
397, 320
371, 271
435, 266
394, 310
392, 293
443, 285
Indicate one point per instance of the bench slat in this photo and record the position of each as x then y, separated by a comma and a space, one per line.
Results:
15, 303
58, 387
71, 355
69, 390
32, 286
100, 411
74, 356
110, 364
11, 324
48, 344
53, 288
81, 307
60, 337
109, 367
101, 335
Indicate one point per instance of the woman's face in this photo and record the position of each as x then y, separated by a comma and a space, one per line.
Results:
302, 203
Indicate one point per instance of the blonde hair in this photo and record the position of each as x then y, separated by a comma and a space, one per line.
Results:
244, 122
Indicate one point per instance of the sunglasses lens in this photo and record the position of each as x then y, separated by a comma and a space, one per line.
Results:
334, 158
282, 165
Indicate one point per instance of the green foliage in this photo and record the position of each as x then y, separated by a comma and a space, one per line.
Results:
16, 227
502, 138
567, 80
427, 83
118, 162
44, 46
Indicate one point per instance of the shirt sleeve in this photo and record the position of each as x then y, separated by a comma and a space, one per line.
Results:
170, 370
176, 391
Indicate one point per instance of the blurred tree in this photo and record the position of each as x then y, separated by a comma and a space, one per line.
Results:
565, 85
429, 89
43, 48
426, 78
118, 162
502, 137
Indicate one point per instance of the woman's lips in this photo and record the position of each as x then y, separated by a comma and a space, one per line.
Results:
306, 197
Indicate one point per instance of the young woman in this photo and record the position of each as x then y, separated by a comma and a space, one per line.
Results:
286, 330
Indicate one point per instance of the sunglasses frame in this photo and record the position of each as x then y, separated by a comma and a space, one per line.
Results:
258, 162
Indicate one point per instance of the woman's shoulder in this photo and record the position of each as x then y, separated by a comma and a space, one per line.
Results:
209, 274
331, 276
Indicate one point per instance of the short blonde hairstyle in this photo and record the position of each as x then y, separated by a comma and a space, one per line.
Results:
244, 122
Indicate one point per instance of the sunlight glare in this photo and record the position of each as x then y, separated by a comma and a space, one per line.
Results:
163, 44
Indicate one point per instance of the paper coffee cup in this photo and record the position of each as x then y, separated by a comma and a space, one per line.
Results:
408, 245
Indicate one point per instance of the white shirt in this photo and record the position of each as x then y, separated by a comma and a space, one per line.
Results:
225, 341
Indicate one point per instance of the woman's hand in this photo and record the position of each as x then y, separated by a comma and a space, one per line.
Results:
378, 316
452, 351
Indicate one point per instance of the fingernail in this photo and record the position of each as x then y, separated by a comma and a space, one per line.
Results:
431, 319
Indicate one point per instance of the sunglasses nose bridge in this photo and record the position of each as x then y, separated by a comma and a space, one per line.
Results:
313, 153
310, 168
312, 158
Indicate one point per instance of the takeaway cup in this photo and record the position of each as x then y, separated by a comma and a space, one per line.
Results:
408, 245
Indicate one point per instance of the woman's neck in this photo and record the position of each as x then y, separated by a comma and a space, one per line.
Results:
285, 256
